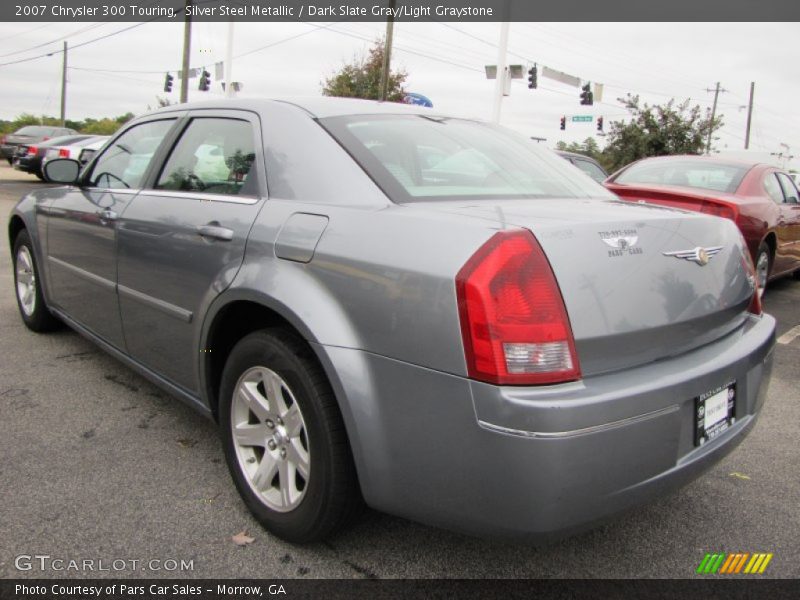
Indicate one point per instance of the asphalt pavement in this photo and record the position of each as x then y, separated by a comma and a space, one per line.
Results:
100, 465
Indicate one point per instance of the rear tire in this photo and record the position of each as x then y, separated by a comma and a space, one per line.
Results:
28, 287
284, 438
763, 266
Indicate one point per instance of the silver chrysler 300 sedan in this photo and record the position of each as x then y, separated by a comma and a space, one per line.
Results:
381, 304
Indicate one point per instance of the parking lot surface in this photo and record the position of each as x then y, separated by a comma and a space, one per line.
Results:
98, 464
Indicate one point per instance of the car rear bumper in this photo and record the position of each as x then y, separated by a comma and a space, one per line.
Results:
539, 462
28, 164
7, 152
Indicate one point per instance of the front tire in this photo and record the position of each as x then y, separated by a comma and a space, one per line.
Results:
763, 264
28, 287
284, 438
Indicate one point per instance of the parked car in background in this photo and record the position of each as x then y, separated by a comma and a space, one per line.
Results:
586, 164
482, 341
30, 134
28, 158
89, 150
761, 199
73, 150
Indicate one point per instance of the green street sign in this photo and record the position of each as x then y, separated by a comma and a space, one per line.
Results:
582, 119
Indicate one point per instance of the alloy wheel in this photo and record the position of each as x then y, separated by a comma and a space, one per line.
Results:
270, 439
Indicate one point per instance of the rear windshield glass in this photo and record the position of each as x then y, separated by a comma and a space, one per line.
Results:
34, 130
701, 174
416, 157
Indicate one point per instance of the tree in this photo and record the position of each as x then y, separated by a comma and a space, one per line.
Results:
362, 78
588, 147
656, 131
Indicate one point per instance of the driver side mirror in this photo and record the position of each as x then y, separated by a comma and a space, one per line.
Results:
62, 170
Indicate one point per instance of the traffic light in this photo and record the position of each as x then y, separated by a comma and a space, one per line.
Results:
563, 123
599, 123
587, 97
532, 83
168, 83
205, 81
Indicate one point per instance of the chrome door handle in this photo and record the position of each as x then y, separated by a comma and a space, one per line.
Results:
216, 232
107, 215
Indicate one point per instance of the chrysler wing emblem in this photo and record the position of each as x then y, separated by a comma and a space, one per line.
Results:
698, 255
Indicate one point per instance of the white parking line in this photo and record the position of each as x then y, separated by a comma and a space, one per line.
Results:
787, 337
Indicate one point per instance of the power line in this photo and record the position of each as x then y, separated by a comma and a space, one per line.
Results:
54, 52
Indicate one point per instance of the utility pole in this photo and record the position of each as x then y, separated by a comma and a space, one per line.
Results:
387, 53
229, 63
716, 91
500, 81
64, 88
749, 115
187, 47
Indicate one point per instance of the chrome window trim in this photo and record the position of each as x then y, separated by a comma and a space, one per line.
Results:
203, 197
124, 191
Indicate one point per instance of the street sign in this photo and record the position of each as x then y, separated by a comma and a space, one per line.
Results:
582, 119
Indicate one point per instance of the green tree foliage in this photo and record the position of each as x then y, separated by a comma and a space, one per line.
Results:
588, 147
657, 130
362, 78
105, 126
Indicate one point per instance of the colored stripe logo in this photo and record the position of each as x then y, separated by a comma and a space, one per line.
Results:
731, 564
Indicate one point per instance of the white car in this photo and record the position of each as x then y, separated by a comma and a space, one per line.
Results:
76, 150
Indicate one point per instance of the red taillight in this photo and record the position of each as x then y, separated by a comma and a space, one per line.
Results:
63, 153
32, 150
719, 209
2, 139
747, 263
513, 320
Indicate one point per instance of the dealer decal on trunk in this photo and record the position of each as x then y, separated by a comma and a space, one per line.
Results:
623, 241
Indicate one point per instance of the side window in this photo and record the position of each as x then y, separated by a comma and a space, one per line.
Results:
215, 156
124, 163
773, 188
789, 189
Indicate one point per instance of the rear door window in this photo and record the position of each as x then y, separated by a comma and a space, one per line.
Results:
773, 188
789, 189
214, 156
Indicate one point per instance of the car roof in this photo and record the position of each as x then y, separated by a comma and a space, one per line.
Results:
319, 106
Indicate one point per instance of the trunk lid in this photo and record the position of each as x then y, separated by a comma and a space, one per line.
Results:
627, 301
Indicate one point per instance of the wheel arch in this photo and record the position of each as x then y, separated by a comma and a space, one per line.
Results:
237, 313
15, 225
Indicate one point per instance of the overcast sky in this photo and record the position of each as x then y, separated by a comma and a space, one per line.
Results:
658, 61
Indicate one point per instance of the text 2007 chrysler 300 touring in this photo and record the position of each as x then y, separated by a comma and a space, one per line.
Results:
378, 302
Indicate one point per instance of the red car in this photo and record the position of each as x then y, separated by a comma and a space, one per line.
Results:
761, 199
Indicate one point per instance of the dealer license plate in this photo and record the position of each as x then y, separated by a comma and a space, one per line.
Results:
714, 413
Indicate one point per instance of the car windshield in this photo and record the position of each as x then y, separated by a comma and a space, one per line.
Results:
418, 157
701, 174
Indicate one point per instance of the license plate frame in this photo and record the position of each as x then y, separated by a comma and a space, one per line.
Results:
714, 413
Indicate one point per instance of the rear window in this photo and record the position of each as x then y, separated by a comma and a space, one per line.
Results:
420, 157
704, 175
35, 130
